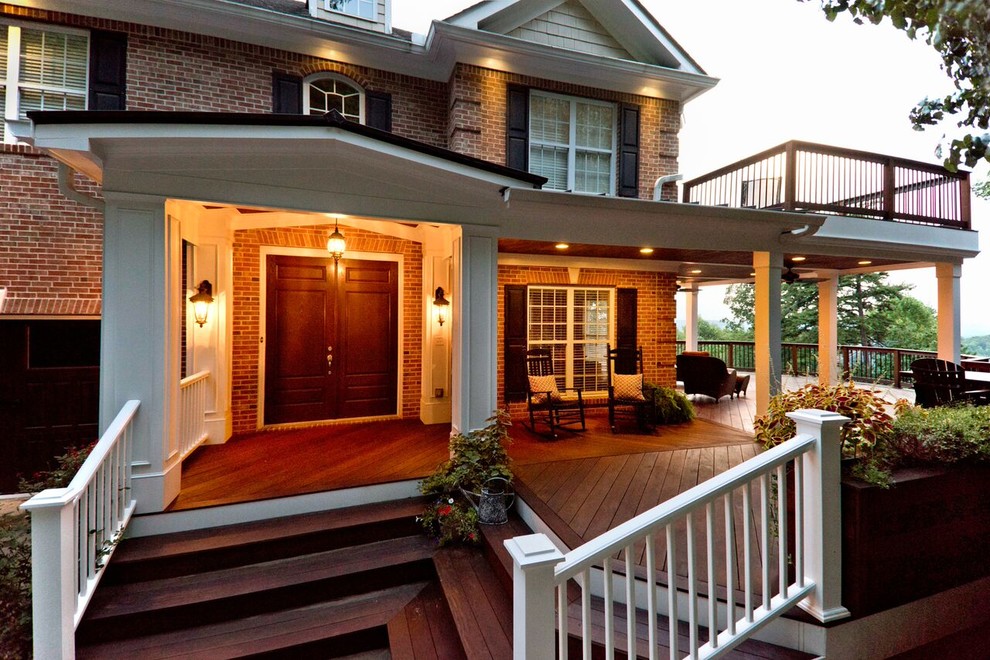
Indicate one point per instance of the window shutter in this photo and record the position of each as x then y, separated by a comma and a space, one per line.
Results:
629, 151
517, 127
378, 110
625, 327
286, 94
107, 70
516, 320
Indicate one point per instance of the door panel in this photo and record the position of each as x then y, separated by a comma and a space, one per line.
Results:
349, 313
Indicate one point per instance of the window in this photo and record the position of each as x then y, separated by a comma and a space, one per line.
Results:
572, 143
42, 69
324, 92
576, 325
362, 8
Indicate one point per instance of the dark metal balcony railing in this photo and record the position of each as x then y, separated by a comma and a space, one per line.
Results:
802, 176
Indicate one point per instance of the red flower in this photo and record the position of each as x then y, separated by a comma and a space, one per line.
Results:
472, 536
444, 510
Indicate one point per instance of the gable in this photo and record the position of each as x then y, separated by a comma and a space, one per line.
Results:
570, 25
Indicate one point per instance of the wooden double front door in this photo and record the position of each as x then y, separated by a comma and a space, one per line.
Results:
332, 339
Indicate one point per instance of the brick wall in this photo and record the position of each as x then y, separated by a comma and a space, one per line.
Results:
248, 280
655, 328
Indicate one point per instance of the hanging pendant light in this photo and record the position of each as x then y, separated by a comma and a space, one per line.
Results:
336, 244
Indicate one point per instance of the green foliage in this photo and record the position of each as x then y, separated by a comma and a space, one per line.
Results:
15, 586
959, 31
947, 434
869, 422
977, 345
669, 405
911, 323
66, 467
475, 457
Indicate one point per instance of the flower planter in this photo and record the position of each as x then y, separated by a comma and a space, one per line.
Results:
927, 533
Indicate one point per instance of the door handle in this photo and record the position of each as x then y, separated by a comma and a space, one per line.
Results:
329, 360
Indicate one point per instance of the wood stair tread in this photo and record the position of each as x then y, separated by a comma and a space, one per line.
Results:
164, 593
266, 632
145, 548
479, 605
424, 629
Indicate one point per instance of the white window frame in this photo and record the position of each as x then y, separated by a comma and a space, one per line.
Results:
571, 146
354, 3
570, 342
10, 77
329, 75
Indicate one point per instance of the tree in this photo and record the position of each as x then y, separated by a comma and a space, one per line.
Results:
911, 324
959, 31
864, 307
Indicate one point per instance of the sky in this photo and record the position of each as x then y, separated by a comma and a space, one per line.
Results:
787, 73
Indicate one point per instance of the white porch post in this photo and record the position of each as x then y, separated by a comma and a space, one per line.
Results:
691, 318
533, 560
828, 328
768, 267
949, 316
823, 518
139, 352
474, 328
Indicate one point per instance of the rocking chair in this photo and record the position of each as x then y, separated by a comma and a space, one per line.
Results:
626, 399
548, 404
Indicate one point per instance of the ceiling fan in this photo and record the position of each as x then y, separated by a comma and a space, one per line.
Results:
789, 276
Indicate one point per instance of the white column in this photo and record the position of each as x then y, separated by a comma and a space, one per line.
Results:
474, 393
768, 267
828, 329
691, 318
139, 347
533, 559
823, 513
949, 316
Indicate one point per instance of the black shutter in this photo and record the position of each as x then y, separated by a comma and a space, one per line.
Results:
286, 94
378, 110
516, 334
107, 70
517, 127
625, 329
629, 151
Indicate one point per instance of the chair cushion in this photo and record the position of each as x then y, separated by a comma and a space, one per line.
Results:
540, 385
628, 387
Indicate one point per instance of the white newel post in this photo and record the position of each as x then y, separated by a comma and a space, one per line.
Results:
823, 512
53, 591
533, 558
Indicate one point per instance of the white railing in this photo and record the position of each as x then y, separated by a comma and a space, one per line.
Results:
745, 507
192, 412
74, 530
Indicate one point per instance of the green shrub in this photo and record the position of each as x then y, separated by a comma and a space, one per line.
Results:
66, 467
948, 434
15, 586
669, 405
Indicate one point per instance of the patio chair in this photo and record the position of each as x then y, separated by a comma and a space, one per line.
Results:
557, 408
704, 374
941, 383
626, 399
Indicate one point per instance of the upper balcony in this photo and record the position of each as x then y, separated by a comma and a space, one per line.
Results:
802, 176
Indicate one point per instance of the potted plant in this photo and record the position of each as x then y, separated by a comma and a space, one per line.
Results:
669, 405
478, 467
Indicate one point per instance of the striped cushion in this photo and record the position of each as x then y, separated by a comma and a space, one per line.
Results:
540, 385
628, 387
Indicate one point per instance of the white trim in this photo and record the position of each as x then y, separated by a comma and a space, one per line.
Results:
269, 250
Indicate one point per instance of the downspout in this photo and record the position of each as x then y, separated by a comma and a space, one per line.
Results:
67, 186
670, 178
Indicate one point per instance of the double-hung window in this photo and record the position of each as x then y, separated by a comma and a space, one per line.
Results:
362, 8
572, 143
575, 324
42, 69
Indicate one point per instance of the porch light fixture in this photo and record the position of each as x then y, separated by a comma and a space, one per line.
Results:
201, 302
562, 246
441, 304
646, 250
864, 262
336, 244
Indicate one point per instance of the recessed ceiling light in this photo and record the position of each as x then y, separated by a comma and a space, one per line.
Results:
562, 246
646, 250
696, 271
798, 258
752, 274
864, 262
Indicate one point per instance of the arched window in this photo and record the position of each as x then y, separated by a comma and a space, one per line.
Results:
323, 92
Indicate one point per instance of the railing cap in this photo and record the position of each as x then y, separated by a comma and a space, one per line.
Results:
817, 417
51, 498
533, 550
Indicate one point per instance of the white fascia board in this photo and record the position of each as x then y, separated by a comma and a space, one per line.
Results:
450, 44
473, 15
637, 31
880, 238
595, 219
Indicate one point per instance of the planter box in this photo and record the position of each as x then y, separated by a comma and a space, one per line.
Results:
927, 533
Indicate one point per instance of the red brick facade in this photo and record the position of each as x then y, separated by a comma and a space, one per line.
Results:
248, 278
655, 328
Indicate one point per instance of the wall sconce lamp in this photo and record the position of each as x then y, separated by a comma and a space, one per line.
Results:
336, 244
441, 304
201, 301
